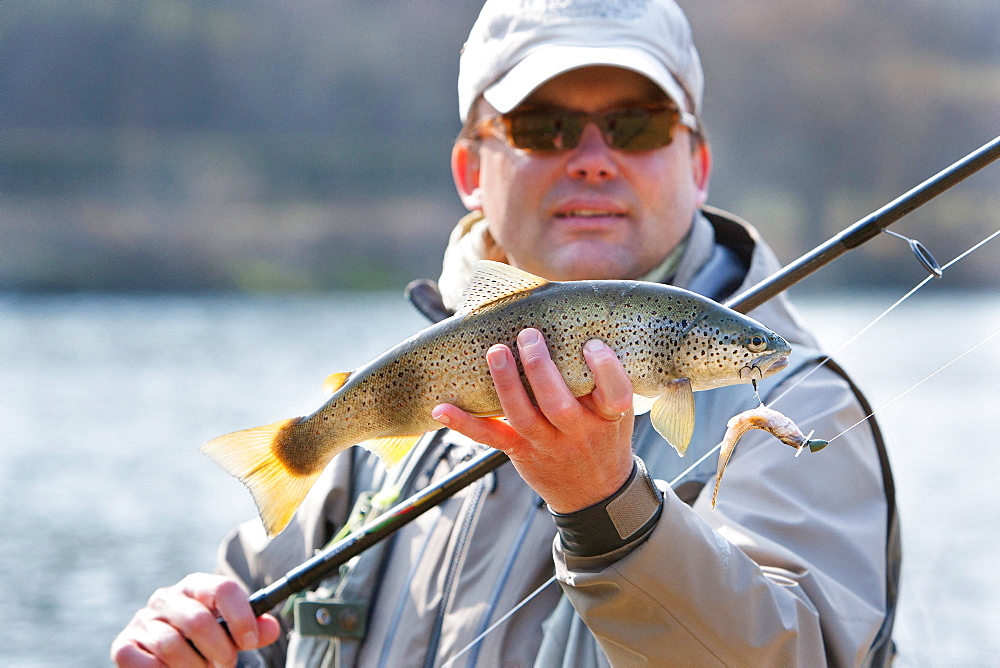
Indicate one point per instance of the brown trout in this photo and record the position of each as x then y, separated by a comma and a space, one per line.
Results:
671, 342
771, 421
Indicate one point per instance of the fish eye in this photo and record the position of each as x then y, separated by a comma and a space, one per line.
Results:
757, 343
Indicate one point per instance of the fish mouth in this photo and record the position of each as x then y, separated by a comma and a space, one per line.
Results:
764, 366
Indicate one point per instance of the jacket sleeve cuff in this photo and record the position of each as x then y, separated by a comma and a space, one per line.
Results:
623, 519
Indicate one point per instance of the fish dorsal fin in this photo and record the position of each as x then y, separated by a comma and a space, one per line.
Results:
335, 381
495, 283
391, 449
673, 414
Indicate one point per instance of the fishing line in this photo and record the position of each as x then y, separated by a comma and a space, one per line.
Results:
918, 384
882, 315
498, 622
695, 465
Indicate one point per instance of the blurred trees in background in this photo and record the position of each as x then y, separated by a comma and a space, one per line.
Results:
177, 145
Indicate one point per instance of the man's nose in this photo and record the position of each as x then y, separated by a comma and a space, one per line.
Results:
592, 159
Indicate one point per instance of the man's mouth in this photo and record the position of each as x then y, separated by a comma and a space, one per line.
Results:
589, 213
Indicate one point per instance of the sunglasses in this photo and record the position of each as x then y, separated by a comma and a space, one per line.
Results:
549, 130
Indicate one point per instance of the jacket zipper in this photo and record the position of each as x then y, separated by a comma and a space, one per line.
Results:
505, 572
435, 452
456, 558
397, 614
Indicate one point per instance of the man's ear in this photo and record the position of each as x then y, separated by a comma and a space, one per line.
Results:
465, 172
701, 164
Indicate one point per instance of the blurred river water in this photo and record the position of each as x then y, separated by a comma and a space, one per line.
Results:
104, 496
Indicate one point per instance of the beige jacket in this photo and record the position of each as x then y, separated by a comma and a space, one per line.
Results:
796, 566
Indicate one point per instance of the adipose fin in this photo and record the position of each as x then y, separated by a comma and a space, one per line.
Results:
335, 381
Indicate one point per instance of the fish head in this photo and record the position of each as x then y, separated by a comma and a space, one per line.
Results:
723, 347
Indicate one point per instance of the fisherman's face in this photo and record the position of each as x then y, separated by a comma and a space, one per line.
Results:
590, 212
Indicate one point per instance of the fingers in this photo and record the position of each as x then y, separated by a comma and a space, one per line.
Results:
563, 439
514, 399
193, 607
556, 406
553, 398
179, 626
124, 653
611, 398
492, 432
227, 600
612, 395
152, 642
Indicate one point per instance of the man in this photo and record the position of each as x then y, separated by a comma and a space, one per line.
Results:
582, 157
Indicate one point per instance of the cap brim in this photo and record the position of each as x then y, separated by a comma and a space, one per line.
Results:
547, 62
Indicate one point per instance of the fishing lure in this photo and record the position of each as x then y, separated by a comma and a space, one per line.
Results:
769, 420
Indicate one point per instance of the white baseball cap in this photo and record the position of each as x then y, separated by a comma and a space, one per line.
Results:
517, 45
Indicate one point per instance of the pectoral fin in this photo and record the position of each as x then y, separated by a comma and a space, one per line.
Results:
641, 404
673, 414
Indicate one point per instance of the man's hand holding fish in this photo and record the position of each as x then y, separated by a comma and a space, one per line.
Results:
564, 439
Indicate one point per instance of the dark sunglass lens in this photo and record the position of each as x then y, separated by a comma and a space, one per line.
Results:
639, 129
533, 131
545, 130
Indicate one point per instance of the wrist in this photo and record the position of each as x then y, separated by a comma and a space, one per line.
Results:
624, 518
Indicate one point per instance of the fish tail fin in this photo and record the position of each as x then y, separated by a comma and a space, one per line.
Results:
252, 456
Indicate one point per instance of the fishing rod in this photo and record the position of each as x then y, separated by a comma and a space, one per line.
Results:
328, 560
867, 228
